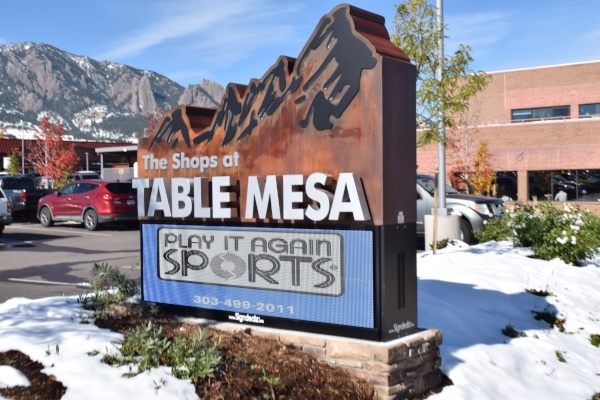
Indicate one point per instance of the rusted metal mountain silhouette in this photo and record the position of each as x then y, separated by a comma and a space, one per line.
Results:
321, 87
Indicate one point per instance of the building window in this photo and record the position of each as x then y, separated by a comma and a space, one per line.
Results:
538, 185
540, 114
506, 185
589, 110
579, 185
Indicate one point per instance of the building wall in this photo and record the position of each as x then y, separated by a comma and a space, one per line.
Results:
557, 144
8, 146
571, 84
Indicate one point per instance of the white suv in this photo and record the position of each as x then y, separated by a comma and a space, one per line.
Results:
473, 209
5, 211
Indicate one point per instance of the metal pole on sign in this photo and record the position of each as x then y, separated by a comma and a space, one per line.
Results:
441, 178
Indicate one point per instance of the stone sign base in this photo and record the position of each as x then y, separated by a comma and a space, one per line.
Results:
398, 369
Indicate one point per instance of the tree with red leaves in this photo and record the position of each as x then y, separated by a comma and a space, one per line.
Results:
153, 120
461, 151
470, 164
50, 155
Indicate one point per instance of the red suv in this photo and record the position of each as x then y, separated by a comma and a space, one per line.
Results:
90, 201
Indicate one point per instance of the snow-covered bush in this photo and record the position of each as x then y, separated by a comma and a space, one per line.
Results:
570, 233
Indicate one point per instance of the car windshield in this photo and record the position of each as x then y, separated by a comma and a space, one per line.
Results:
89, 175
428, 183
27, 183
17, 183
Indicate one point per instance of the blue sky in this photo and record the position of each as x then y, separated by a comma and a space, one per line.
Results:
236, 40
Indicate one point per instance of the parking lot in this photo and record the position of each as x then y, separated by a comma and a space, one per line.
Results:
37, 262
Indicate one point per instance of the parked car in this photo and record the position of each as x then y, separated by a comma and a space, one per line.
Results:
473, 209
22, 193
91, 202
5, 211
79, 175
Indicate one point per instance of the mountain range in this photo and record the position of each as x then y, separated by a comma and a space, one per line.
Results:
93, 100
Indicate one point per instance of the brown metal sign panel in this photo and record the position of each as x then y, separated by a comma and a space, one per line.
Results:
341, 113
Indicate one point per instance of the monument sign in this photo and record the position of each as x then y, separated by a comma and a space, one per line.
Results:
292, 204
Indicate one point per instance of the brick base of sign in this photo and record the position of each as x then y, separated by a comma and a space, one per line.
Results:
398, 369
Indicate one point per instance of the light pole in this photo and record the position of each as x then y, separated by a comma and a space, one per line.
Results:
22, 149
87, 166
441, 181
441, 225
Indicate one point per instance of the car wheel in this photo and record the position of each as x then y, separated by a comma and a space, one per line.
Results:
1, 230
466, 232
46, 217
90, 220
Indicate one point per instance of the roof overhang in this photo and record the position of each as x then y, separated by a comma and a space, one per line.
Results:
116, 149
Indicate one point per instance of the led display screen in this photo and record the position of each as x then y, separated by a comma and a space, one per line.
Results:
315, 275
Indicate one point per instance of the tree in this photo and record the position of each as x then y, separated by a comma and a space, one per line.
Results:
482, 176
14, 164
416, 33
50, 155
464, 148
474, 174
153, 120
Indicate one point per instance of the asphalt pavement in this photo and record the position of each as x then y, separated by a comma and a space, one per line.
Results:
37, 262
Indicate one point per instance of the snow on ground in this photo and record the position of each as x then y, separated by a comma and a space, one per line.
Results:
470, 293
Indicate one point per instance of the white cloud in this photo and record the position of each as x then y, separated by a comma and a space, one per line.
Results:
226, 49
205, 24
481, 31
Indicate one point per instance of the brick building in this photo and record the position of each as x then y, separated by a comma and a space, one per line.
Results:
542, 126
92, 155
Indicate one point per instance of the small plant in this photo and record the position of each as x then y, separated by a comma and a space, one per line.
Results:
539, 292
145, 345
495, 229
190, 357
443, 243
510, 331
48, 352
595, 339
272, 381
560, 356
550, 318
157, 385
84, 318
111, 287
111, 277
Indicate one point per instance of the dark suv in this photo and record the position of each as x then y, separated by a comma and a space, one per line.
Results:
22, 193
91, 202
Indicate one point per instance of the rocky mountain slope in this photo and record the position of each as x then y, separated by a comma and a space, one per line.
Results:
97, 100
